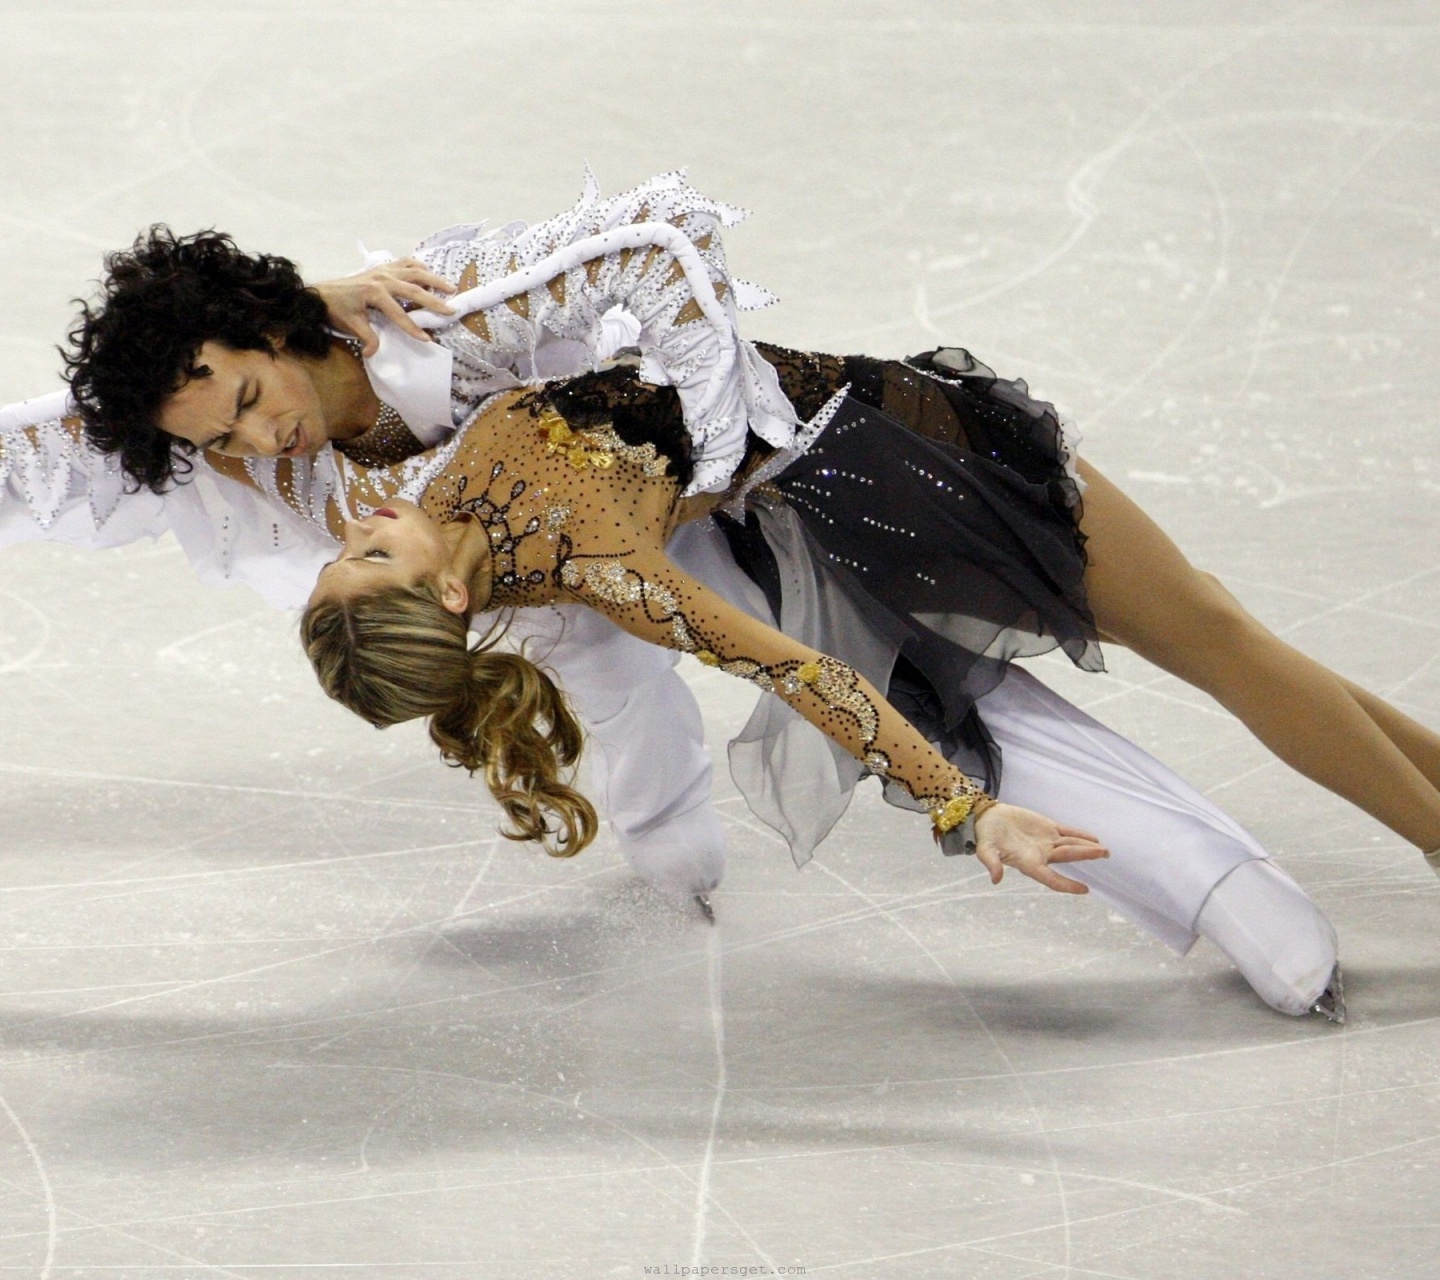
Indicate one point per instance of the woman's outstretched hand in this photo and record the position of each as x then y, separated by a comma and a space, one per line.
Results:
1008, 836
390, 289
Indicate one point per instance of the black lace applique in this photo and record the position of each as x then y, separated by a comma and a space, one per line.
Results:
642, 416
505, 539
808, 378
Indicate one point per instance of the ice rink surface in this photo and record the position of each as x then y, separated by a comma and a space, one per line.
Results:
274, 999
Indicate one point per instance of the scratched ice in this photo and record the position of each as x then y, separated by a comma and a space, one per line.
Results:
274, 999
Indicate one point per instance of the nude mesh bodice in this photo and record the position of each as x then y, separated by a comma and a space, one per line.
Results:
583, 515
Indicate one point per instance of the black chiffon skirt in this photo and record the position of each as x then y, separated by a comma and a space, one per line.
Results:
940, 499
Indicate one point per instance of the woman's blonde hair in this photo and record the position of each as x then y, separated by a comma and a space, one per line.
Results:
398, 654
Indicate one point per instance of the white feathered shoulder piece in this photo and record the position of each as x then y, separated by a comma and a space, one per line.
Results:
652, 254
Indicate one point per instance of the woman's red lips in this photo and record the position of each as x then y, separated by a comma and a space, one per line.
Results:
386, 512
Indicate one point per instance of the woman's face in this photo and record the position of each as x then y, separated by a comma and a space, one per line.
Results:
251, 404
396, 546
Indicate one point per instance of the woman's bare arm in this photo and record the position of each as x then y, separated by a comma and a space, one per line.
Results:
645, 594
393, 290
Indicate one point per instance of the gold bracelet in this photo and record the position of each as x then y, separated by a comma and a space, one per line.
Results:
957, 809
951, 814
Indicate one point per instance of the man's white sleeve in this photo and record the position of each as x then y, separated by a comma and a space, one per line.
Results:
646, 764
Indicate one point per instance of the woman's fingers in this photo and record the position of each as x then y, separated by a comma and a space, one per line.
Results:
987, 857
1054, 880
357, 325
1031, 843
386, 300
417, 293
416, 272
1078, 851
1076, 833
393, 289
1035, 862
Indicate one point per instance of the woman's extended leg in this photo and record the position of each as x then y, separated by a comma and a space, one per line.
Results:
1420, 745
1149, 598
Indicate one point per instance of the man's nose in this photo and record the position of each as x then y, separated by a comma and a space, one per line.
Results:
261, 436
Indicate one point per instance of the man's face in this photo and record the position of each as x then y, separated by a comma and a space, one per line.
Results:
252, 404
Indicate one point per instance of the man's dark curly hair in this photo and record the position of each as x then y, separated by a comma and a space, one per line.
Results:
162, 299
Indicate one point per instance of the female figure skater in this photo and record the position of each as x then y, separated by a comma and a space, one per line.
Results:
950, 427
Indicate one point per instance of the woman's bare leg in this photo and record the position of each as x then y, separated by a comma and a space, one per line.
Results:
1149, 598
1420, 745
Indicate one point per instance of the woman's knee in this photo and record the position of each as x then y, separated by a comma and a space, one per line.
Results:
1220, 616
1196, 622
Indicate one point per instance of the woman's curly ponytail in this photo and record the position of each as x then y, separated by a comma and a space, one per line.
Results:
398, 654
